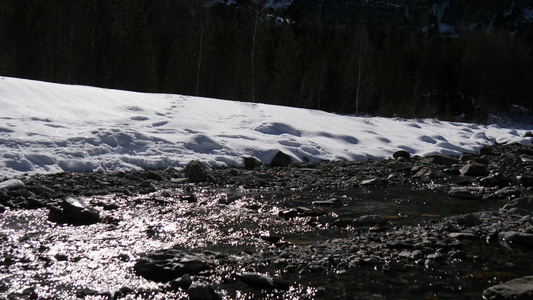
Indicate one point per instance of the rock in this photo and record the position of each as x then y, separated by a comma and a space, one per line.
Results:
373, 182
440, 159
516, 289
526, 181
256, 280
11, 184
202, 291
507, 192
474, 169
424, 172
523, 203
251, 162
263, 281
330, 202
496, 179
401, 153
528, 134
469, 220
198, 172
463, 236
166, 265
516, 237
465, 192
184, 282
466, 157
369, 220
74, 211
281, 160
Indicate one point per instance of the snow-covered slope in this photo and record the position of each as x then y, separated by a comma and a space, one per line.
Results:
46, 127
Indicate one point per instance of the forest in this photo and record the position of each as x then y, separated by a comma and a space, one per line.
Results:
246, 52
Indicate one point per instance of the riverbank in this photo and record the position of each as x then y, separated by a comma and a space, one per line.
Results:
423, 227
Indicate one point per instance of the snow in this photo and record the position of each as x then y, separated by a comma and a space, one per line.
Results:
50, 128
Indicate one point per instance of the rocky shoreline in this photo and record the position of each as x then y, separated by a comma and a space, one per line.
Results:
344, 253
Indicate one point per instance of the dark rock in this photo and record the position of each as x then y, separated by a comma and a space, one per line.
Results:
523, 203
369, 220
465, 192
262, 281
401, 153
474, 169
516, 237
507, 192
526, 181
466, 157
74, 211
496, 179
516, 289
154, 176
281, 160
469, 220
528, 134
519, 211
202, 291
395, 244
198, 172
440, 159
165, 265
330, 202
184, 282
251, 162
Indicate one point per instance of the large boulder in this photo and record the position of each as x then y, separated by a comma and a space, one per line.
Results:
516, 237
166, 265
74, 211
198, 172
281, 160
516, 289
474, 169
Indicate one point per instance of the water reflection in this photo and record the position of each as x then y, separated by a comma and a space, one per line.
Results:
63, 261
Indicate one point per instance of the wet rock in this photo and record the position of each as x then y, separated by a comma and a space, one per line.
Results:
440, 159
493, 180
181, 283
507, 192
202, 291
469, 220
465, 192
369, 220
463, 236
74, 211
516, 237
198, 172
474, 169
329, 202
166, 265
516, 289
11, 184
401, 153
261, 281
523, 203
526, 181
281, 160
374, 182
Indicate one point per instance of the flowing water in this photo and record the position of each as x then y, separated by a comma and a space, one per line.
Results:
53, 261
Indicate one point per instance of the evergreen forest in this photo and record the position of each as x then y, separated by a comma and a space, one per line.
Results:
246, 52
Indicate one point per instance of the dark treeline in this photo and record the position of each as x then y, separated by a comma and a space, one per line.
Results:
241, 52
